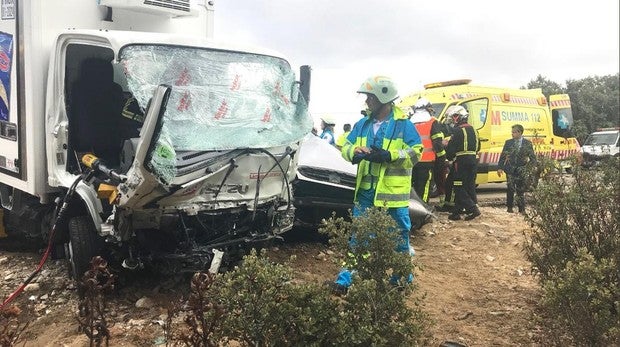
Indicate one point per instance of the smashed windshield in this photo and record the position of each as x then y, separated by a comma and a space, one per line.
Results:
220, 100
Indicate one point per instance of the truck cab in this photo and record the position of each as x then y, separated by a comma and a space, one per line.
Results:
175, 148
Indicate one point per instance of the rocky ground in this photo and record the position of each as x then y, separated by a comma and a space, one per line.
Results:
478, 286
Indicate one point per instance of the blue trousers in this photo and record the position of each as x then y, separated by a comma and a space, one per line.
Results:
399, 214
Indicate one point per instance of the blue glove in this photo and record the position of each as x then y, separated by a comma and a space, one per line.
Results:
379, 155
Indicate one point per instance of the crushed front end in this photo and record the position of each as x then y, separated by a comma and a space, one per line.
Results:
212, 168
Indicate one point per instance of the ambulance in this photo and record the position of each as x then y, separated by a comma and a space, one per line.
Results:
493, 111
126, 130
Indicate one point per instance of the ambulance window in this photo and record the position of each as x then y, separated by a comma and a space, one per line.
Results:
477, 110
562, 122
438, 108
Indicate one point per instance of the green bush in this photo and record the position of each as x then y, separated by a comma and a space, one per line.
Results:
259, 303
574, 247
375, 311
265, 308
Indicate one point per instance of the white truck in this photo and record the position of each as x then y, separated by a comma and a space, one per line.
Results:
172, 147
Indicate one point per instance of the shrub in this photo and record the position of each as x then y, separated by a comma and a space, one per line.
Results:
259, 303
375, 311
575, 249
265, 308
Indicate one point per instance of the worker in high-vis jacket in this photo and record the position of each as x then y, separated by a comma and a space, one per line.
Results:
430, 131
385, 145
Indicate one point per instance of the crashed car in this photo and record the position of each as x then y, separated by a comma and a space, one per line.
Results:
325, 183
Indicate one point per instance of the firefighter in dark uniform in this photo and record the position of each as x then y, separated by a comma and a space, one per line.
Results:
462, 150
132, 117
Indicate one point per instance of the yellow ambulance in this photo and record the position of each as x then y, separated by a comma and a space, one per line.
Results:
493, 111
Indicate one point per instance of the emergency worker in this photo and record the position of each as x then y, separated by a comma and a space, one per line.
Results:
385, 146
432, 140
132, 118
343, 137
327, 125
462, 150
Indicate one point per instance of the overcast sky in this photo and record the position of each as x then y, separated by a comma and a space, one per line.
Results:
499, 43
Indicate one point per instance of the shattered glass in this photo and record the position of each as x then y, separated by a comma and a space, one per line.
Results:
219, 101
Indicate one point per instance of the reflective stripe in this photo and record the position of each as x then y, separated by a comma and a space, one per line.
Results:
426, 150
397, 171
465, 153
464, 140
439, 135
441, 154
410, 152
350, 151
425, 137
392, 197
458, 183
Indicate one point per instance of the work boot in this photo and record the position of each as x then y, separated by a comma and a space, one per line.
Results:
454, 216
443, 208
510, 210
475, 213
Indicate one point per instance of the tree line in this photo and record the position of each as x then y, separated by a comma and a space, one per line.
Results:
595, 101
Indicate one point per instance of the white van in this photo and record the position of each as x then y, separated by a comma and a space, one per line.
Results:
601, 144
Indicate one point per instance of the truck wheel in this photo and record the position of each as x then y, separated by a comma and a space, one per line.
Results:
84, 244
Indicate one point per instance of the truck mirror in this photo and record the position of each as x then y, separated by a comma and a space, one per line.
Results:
305, 74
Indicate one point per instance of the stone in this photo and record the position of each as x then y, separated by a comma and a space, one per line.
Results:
145, 302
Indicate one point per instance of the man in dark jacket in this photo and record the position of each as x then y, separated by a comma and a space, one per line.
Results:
462, 150
516, 154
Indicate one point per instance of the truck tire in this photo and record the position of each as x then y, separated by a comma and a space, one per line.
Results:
84, 244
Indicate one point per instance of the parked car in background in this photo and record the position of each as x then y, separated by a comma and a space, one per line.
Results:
601, 144
325, 183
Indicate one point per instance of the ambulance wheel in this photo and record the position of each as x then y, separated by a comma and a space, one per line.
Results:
84, 244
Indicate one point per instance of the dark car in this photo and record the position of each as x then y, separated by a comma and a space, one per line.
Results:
325, 183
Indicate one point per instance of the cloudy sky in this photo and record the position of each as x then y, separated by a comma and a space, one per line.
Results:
500, 43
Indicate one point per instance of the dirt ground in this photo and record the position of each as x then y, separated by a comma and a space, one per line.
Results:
478, 286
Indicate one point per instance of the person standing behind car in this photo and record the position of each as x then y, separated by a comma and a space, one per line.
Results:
432, 140
516, 154
462, 150
386, 146
327, 125
343, 137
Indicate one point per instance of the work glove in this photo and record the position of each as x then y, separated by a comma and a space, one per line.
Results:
379, 155
358, 157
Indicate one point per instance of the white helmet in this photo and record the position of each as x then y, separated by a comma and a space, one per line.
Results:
422, 103
328, 119
380, 86
456, 114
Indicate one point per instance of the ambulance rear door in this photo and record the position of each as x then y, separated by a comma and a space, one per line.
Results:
479, 109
